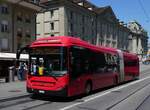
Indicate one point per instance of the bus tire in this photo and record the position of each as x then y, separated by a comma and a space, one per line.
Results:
116, 80
34, 95
136, 77
88, 88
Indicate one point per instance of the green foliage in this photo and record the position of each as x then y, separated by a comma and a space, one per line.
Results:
1, 1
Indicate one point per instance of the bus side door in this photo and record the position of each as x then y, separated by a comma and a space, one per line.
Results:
76, 70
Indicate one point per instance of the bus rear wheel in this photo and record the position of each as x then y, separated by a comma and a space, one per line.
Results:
88, 88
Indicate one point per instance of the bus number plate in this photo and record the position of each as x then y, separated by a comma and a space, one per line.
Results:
42, 92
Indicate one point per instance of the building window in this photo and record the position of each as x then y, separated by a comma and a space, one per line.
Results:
107, 43
19, 37
114, 34
27, 19
114, 44
93, 41
71, 15
52, 26
4, 26
4, 9
35, 1
52, 13
114, 37
92, 20
19, 34
71, 28
4, 44
28, 35
19, 16
83, 19
83, 30
93, 32
101, 42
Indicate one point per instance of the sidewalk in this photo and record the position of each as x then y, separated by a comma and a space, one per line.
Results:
12, 90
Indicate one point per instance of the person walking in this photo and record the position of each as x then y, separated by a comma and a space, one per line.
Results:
21, 71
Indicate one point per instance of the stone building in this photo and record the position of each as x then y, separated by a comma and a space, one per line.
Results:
111, 32
17, 28
80, 18
138, 38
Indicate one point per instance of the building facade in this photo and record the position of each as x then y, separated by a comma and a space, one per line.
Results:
111, 32
17, 25
138, 38
80, 18
17, 29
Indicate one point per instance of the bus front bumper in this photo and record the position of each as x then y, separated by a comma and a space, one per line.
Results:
61, 93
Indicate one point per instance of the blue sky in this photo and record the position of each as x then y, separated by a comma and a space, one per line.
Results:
129, 10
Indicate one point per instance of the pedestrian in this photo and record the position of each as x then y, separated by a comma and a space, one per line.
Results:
25, 71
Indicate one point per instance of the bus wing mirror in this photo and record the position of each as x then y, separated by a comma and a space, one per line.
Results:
19, 51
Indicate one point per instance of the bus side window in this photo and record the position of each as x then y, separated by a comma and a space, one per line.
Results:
75, 62
111, 62
97, 62
79, 61
130, 63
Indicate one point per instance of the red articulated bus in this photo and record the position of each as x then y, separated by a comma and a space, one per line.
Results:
67, 66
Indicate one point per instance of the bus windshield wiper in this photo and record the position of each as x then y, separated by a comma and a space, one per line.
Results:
52, 75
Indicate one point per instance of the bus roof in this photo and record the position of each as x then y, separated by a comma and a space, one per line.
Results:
69, 41
130, 55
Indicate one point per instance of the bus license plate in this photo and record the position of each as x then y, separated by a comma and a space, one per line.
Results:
42, 92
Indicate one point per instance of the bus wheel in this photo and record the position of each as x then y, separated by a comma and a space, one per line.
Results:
88, 88
116, 81
136, 77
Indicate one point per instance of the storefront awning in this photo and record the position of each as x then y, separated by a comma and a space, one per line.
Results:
12, 56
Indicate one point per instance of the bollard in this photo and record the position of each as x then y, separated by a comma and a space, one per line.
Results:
11, 74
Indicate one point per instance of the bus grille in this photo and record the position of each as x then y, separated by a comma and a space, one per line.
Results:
42, 83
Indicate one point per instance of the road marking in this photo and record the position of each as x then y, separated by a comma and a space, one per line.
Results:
94, 97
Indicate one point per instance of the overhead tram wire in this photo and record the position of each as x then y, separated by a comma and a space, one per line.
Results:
145, 12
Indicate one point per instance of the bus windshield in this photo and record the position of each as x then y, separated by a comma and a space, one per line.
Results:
48, 61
